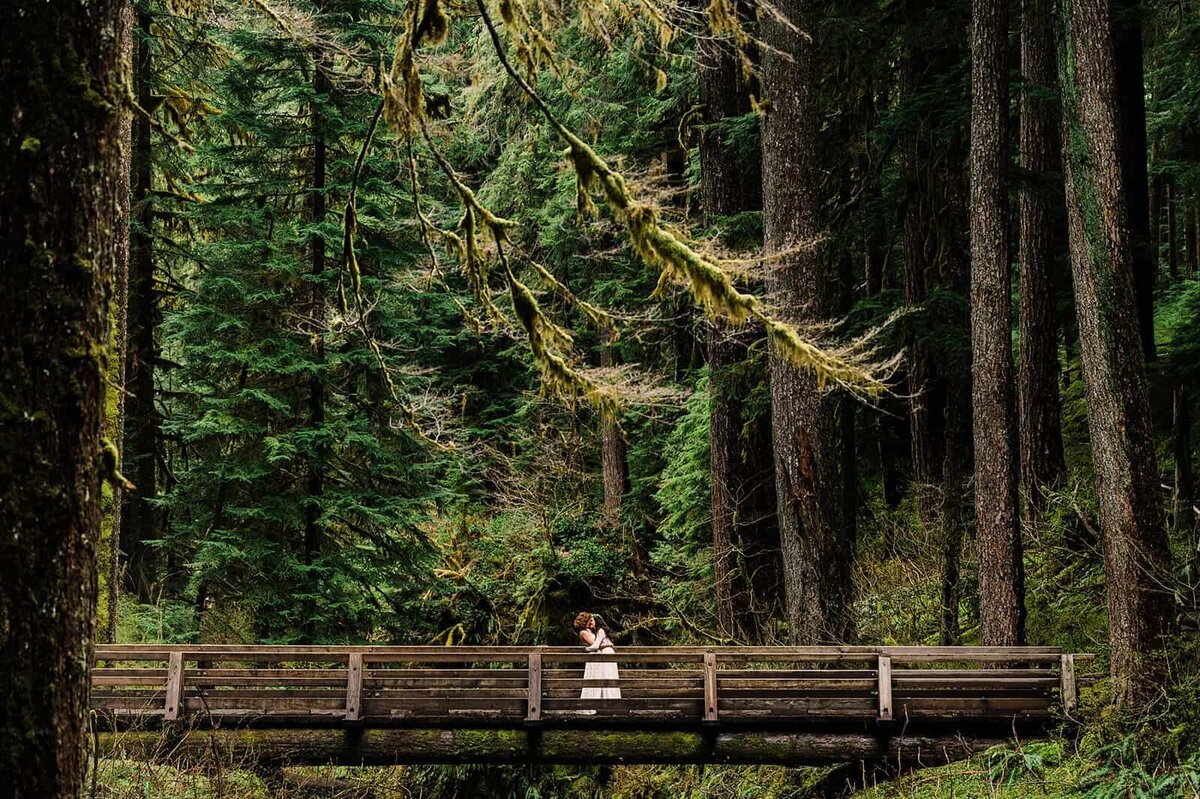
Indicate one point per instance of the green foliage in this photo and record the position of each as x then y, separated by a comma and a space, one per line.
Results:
357, 522
1008, 766
684, 552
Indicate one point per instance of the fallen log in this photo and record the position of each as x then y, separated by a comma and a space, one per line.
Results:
393, 746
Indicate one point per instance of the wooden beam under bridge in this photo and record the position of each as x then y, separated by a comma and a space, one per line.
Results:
277, 747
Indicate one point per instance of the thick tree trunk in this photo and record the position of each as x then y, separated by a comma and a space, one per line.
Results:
806, 423
61, 72
731, 183
143, 425
1135, 547
997, 518
1131, 104
1041, 450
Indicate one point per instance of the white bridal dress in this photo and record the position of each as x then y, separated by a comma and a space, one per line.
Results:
600, 671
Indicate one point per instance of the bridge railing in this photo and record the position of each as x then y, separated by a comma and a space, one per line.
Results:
531, 686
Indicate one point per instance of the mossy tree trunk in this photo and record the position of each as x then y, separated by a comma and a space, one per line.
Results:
1136, 557
743, 490
61, 73
143, 424
997, 518
114, 388
806, 422
1041, 217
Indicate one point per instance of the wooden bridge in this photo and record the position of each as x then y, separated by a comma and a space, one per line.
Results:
385, 704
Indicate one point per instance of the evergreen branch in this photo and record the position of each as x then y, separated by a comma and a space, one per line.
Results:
710, 286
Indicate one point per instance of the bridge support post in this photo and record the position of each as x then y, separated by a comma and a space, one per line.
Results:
710, 687
533, 707
884, 674
1068, 689
173, 704
354, 681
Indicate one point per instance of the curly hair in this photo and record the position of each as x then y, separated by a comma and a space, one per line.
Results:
582, 620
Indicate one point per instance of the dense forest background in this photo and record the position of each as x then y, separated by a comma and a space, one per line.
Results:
813, 322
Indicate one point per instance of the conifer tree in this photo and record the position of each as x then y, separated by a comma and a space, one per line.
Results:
993, 400
1102, 259
1041, 216
805, 421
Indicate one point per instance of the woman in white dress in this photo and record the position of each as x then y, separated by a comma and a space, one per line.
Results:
595, 639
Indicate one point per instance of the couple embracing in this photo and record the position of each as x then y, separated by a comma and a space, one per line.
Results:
595, 639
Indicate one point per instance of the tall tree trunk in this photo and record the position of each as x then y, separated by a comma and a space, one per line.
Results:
1041, 451
806, 422
1135, 546
730, 184
316, 385
1131, 104
143, 425
114, 387
61, 70
997, 519
613, 464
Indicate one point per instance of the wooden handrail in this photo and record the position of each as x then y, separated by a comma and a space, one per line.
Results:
553, 654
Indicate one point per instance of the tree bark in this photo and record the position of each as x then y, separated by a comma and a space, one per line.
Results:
1102, 256
143, 424
114, 422
1040, 212
742, 476
997, 519
61, 73
806, 423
